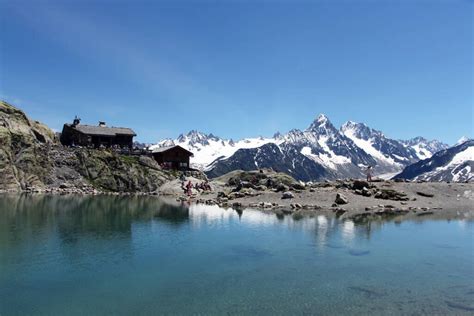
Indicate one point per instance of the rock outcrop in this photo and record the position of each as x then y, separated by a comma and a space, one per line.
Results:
32, 159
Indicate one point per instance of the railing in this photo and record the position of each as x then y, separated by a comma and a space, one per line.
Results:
122, 151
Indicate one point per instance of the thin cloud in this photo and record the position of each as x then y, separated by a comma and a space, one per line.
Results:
111, 46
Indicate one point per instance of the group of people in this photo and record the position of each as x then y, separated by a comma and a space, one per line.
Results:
188, 187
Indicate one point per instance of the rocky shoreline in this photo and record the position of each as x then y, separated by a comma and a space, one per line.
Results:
345, 199
349, 198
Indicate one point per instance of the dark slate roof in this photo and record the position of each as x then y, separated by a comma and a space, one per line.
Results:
104, 130
166, 148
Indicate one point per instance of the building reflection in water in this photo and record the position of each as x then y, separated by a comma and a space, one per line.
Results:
70, 223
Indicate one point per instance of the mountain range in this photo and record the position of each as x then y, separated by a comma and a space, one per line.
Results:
454, 164
319, 152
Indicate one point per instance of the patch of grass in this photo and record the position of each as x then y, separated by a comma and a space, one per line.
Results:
130, 160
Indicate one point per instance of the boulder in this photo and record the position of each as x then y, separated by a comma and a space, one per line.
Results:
425, 194
221, 194
360, 184
266, 205
236, 195
287, 195
341, 199
282, 188
261, 187
389, 194
247, 184
298, 186
366, 192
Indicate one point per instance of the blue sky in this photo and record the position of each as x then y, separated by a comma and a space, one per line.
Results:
242, 68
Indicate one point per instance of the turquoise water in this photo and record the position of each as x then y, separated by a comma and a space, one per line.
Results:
67, 255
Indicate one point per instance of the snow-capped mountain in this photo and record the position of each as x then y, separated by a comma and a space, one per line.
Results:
391, 155
322, 143
453, 164
425, 148
321, 151
284, 158
207, 147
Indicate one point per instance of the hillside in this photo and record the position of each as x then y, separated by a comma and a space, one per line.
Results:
31, 158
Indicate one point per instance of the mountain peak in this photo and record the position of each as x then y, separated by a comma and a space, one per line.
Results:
351, 125
462, 140
322, 118
277, 135
321, 125
196, 137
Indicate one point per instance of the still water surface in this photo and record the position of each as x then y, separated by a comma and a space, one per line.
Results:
71, 255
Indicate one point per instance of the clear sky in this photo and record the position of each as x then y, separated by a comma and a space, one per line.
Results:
242, 68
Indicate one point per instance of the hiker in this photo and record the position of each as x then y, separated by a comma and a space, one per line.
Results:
369, 173
189, 188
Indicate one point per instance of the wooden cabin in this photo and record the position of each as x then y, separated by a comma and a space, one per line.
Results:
76, 134
172, 157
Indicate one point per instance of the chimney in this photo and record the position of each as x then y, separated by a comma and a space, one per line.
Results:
76, 121
102, 124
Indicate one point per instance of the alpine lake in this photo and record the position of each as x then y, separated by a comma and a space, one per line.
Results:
139, 255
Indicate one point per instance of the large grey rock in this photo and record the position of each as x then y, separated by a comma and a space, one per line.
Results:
282, 188
360, 184
341, 199
287, 195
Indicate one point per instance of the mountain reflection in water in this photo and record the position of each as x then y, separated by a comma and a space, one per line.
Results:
35, 217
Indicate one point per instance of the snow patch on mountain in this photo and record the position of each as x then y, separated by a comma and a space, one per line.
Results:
328, 159
390, 155
366, 144
425, 148
463, 139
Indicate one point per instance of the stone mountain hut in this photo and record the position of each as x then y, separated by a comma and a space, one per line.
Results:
172, 157
89, 135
